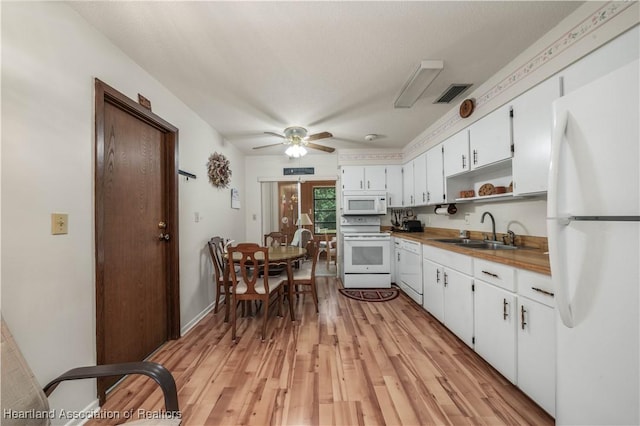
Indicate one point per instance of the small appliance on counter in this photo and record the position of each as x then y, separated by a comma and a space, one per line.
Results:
410, 225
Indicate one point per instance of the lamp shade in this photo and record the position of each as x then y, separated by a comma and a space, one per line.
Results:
304, 219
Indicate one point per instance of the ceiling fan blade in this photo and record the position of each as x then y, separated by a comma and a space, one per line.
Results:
267, 146
317, 136
275, 134
320, 147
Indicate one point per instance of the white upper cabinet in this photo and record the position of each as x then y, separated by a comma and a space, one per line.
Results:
456, 153
435, 176
490, 138
532, 125
420, 180
408, 198
367, 178
394, 186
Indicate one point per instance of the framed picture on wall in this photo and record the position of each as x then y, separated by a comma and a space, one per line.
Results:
235, 198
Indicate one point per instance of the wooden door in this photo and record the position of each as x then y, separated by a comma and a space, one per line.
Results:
136, 231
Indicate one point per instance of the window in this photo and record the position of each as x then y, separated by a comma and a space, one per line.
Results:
324, 208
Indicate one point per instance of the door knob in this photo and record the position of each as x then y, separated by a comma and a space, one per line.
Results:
162, 225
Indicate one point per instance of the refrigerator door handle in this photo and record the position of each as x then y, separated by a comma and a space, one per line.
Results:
557, 254
559, 262
556, 145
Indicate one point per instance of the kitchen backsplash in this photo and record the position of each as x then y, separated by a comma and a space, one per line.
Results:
524, 217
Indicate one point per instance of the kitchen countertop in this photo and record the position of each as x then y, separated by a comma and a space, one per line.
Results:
530, 258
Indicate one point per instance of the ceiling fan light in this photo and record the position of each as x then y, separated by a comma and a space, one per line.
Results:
296, 151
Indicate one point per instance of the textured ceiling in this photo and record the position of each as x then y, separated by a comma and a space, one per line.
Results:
251, 67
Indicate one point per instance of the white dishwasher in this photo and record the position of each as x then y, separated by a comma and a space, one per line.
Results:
411, 269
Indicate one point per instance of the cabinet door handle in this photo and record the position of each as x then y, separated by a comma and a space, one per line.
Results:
539, 290
398, 257
445, 279
424, 197
368, 184
428, 196
437, 275
475, 156
522, 311
491, 274
464, 163
360, 184
504, 309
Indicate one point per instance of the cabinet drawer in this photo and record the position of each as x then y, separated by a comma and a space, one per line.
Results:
500, 275
455, 261
536, 287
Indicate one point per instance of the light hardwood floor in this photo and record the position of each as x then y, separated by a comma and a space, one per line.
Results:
354, 363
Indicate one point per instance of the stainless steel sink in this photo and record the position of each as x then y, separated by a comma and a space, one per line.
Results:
459, 241
487, 245
476, 244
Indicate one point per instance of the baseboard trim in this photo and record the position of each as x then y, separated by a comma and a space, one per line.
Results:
184, 330
88, 413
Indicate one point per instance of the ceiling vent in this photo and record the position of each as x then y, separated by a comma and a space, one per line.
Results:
451, 93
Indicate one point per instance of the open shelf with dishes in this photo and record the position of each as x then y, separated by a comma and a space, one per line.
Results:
491, 183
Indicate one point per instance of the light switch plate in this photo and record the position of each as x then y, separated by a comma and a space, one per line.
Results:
59, 223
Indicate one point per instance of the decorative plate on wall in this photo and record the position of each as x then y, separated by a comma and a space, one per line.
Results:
218, 170
466, 108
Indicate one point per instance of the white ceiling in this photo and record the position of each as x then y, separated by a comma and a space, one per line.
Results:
251, 67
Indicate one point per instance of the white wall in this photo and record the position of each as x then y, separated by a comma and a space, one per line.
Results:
269, 167
50, 57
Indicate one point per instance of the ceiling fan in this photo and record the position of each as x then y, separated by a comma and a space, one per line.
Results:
297, 140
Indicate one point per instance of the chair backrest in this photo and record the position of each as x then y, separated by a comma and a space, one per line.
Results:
332, 243
306, 236
274, 239
20, 389
216, 248
254, 266
301, 237
313, 253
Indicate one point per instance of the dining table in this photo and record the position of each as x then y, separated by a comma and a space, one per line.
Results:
278, 255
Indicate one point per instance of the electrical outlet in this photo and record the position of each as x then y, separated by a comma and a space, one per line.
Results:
59, 223
467, 218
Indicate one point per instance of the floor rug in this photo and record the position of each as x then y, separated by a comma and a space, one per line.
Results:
370, 294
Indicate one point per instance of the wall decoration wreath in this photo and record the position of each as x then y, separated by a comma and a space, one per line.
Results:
218, 170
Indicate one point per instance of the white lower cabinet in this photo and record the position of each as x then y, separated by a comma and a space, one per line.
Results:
495, 327
505, 314
433, 297
537, 339
458, 304
448, 290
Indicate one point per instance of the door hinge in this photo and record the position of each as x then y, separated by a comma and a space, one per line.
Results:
473, 287
511, 112
513, 148
473, 340
442, 148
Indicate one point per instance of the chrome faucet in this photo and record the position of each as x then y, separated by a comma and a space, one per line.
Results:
493, 224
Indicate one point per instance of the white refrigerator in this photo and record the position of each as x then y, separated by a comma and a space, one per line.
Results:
593, 229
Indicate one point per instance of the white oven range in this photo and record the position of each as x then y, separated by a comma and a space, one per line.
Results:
367, 253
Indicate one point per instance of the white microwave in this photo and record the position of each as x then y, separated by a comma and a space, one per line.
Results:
364, 202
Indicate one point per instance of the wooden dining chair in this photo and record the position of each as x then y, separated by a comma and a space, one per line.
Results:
332, 250
274, 239
252, 281
216, 251
304, 279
